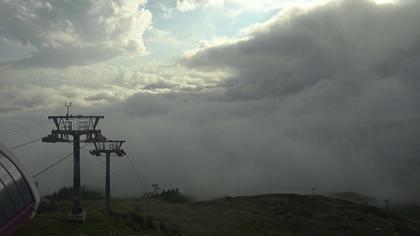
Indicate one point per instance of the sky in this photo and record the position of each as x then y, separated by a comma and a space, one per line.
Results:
221, 97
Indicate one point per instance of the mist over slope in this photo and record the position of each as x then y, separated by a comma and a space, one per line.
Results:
324, 97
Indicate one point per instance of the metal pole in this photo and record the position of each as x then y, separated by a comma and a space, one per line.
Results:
76, 175
147, 206
386, 204
108, 182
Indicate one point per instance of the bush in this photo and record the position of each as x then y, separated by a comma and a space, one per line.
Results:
46, 206
65, 193
139, 219
162, 226
173, 195
151, 223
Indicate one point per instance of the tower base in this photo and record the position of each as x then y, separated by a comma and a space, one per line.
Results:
81, 217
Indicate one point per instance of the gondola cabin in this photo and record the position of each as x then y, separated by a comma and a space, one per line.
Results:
18, 195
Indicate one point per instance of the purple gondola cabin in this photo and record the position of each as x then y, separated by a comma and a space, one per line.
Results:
19, 198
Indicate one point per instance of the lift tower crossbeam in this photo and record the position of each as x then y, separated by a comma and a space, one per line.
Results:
75, 126
108, 147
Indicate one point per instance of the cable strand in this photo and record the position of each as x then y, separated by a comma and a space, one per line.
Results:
20, 129
136, 172
116, 175
24, 144
54, 164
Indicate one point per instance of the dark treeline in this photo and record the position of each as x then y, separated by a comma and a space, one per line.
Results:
173, 195
65, 193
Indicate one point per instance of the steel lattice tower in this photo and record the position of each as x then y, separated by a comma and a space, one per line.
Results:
69, 129
108, 147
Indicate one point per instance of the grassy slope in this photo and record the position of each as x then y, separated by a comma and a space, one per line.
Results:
97, 223
409, 211
276, 214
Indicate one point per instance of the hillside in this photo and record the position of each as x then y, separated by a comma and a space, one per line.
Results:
409, 211
274, 214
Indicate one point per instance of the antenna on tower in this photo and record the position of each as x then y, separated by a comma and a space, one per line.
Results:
67, 105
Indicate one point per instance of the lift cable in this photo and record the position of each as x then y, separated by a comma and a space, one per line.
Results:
119, 178
24, 144
136, 172
115, 174
54, 164
25, 126
20, 129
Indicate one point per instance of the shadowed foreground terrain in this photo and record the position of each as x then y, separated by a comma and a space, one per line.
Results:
274, 214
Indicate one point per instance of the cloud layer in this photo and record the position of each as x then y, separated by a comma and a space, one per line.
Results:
41, 89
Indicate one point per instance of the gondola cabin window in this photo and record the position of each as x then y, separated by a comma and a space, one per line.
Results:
15, 194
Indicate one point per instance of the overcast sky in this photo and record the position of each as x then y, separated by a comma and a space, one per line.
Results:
221, 97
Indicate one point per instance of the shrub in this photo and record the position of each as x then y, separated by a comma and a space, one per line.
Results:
151, 223
65, 193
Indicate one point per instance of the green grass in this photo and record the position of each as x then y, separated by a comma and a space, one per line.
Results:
276, 214
98, 222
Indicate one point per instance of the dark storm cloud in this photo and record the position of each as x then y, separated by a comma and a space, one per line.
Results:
325, 98
101, 96
159, 85
347, 38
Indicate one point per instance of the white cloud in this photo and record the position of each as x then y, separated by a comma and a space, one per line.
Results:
237, 6
385, 1
156, 35
64, 33
188, 5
